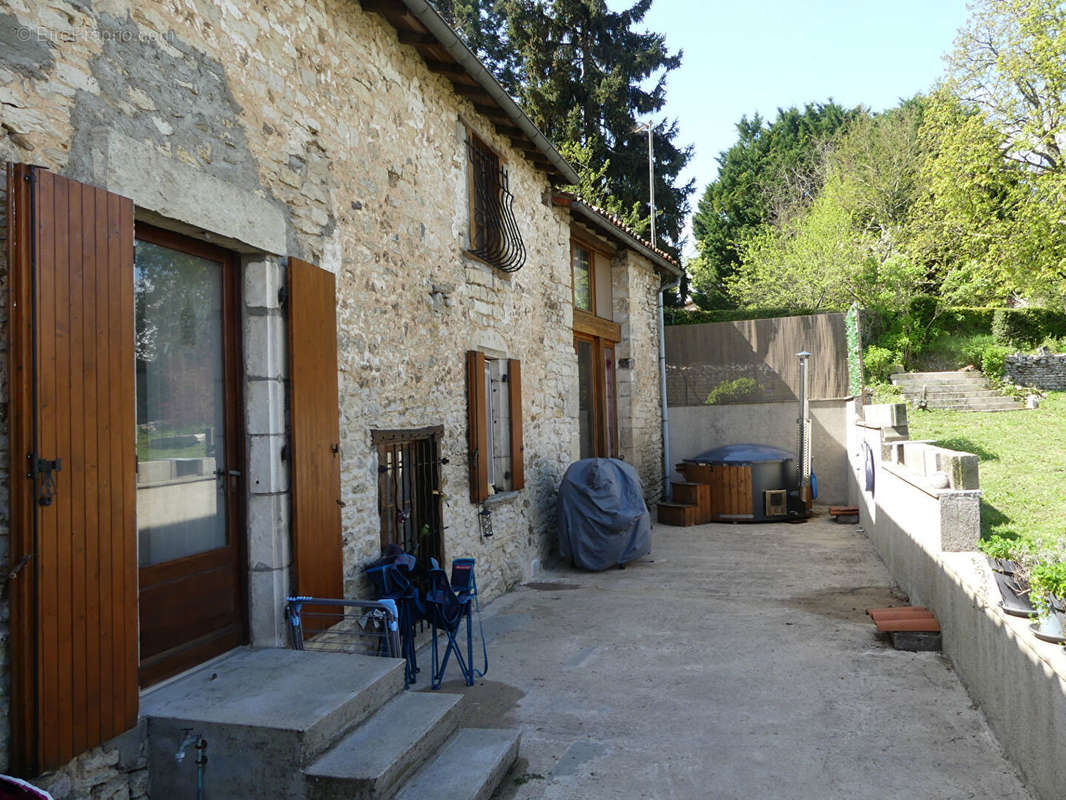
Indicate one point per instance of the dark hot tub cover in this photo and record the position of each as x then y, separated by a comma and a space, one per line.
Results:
741, 454
603, 521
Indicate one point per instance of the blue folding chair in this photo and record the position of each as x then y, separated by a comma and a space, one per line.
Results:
393, 579
446, 610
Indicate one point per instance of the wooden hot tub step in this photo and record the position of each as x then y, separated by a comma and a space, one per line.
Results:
681, 514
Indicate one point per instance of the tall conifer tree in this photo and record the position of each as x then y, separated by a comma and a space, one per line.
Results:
587, 77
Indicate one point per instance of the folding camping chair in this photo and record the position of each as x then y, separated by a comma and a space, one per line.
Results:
393, 579
446, 609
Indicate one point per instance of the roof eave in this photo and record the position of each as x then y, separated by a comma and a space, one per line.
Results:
608, 228
435, 24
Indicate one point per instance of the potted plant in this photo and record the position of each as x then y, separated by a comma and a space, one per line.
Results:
1009, 561
1047, 582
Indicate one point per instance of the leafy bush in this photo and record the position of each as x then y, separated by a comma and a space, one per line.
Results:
878, 363
734, 391
993, 361
997, 546
1027, 327
1048, 580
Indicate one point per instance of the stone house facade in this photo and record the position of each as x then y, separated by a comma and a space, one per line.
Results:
326, 138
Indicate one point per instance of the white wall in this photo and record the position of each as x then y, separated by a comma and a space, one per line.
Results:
695, 429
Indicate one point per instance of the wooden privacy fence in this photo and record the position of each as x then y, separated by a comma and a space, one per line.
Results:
701, 358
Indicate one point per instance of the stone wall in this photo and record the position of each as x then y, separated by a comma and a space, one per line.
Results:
1043, 371
306, 129
635, 293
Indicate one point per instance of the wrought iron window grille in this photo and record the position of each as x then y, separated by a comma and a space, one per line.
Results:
494, 234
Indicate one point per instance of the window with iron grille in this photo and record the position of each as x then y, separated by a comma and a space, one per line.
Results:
494, 234
409, 499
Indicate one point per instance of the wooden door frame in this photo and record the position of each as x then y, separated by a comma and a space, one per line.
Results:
602, 438
234, 443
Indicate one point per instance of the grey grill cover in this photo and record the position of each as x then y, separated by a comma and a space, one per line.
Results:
603, 521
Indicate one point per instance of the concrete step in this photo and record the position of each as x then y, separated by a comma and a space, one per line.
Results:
932, 376
983, 394
1007, 406
372, 760
469, 767
265, 714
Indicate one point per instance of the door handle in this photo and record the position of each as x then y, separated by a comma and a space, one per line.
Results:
46, 486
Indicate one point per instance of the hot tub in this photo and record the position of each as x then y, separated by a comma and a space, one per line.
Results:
749, 482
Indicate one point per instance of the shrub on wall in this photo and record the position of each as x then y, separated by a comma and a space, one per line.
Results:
1027, 327
683, 316
734, 391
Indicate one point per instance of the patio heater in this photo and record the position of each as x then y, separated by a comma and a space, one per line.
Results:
804, 462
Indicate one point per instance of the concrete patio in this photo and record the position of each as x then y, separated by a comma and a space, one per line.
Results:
735, 661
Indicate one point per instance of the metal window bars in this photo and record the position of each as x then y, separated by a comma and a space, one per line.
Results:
366, 627
494, 234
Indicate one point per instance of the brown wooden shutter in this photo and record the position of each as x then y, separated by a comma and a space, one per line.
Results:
74, 594
476, 430
514, 391
315, 420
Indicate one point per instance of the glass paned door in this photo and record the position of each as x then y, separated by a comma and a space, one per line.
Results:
189, 449
181, 454
586, 404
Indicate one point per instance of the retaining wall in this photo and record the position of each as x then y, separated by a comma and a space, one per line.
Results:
1044, 371
928, 538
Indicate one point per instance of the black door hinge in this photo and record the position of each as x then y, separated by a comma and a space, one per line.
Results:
283, 296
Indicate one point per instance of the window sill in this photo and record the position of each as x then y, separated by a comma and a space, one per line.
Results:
502, 497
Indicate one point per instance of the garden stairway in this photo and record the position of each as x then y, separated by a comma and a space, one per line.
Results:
957, 391
311, 725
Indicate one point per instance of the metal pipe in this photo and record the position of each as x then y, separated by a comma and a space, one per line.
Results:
667, 489
651, 181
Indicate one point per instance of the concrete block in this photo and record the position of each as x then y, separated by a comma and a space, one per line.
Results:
962, 469
265, 347
265, 714
960, 520
267, 473
268, 531
268, 590
265, 406
886, 415
262, 280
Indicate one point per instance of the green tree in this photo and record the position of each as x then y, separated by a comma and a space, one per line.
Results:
850, 243
586, 75
774, 169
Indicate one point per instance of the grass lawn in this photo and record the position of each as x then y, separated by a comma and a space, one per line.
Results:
1023, 463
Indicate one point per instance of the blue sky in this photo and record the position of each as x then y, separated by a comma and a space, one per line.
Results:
742, 57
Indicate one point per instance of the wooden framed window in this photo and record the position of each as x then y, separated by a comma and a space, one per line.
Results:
597, 397
583, 272
494, 425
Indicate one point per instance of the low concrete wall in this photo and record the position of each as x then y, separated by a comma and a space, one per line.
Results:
1044, 371
696, 429
927, 538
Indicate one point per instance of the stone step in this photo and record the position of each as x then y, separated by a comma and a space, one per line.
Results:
953, 374
1006, 406
265, 714
372, 761
469, 767
953, 395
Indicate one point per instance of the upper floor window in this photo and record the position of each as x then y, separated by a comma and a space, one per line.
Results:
494, 234
591, 272
581, 260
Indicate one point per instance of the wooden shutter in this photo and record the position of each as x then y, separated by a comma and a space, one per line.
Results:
514, 392
74, 594
315, 420
476, 426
